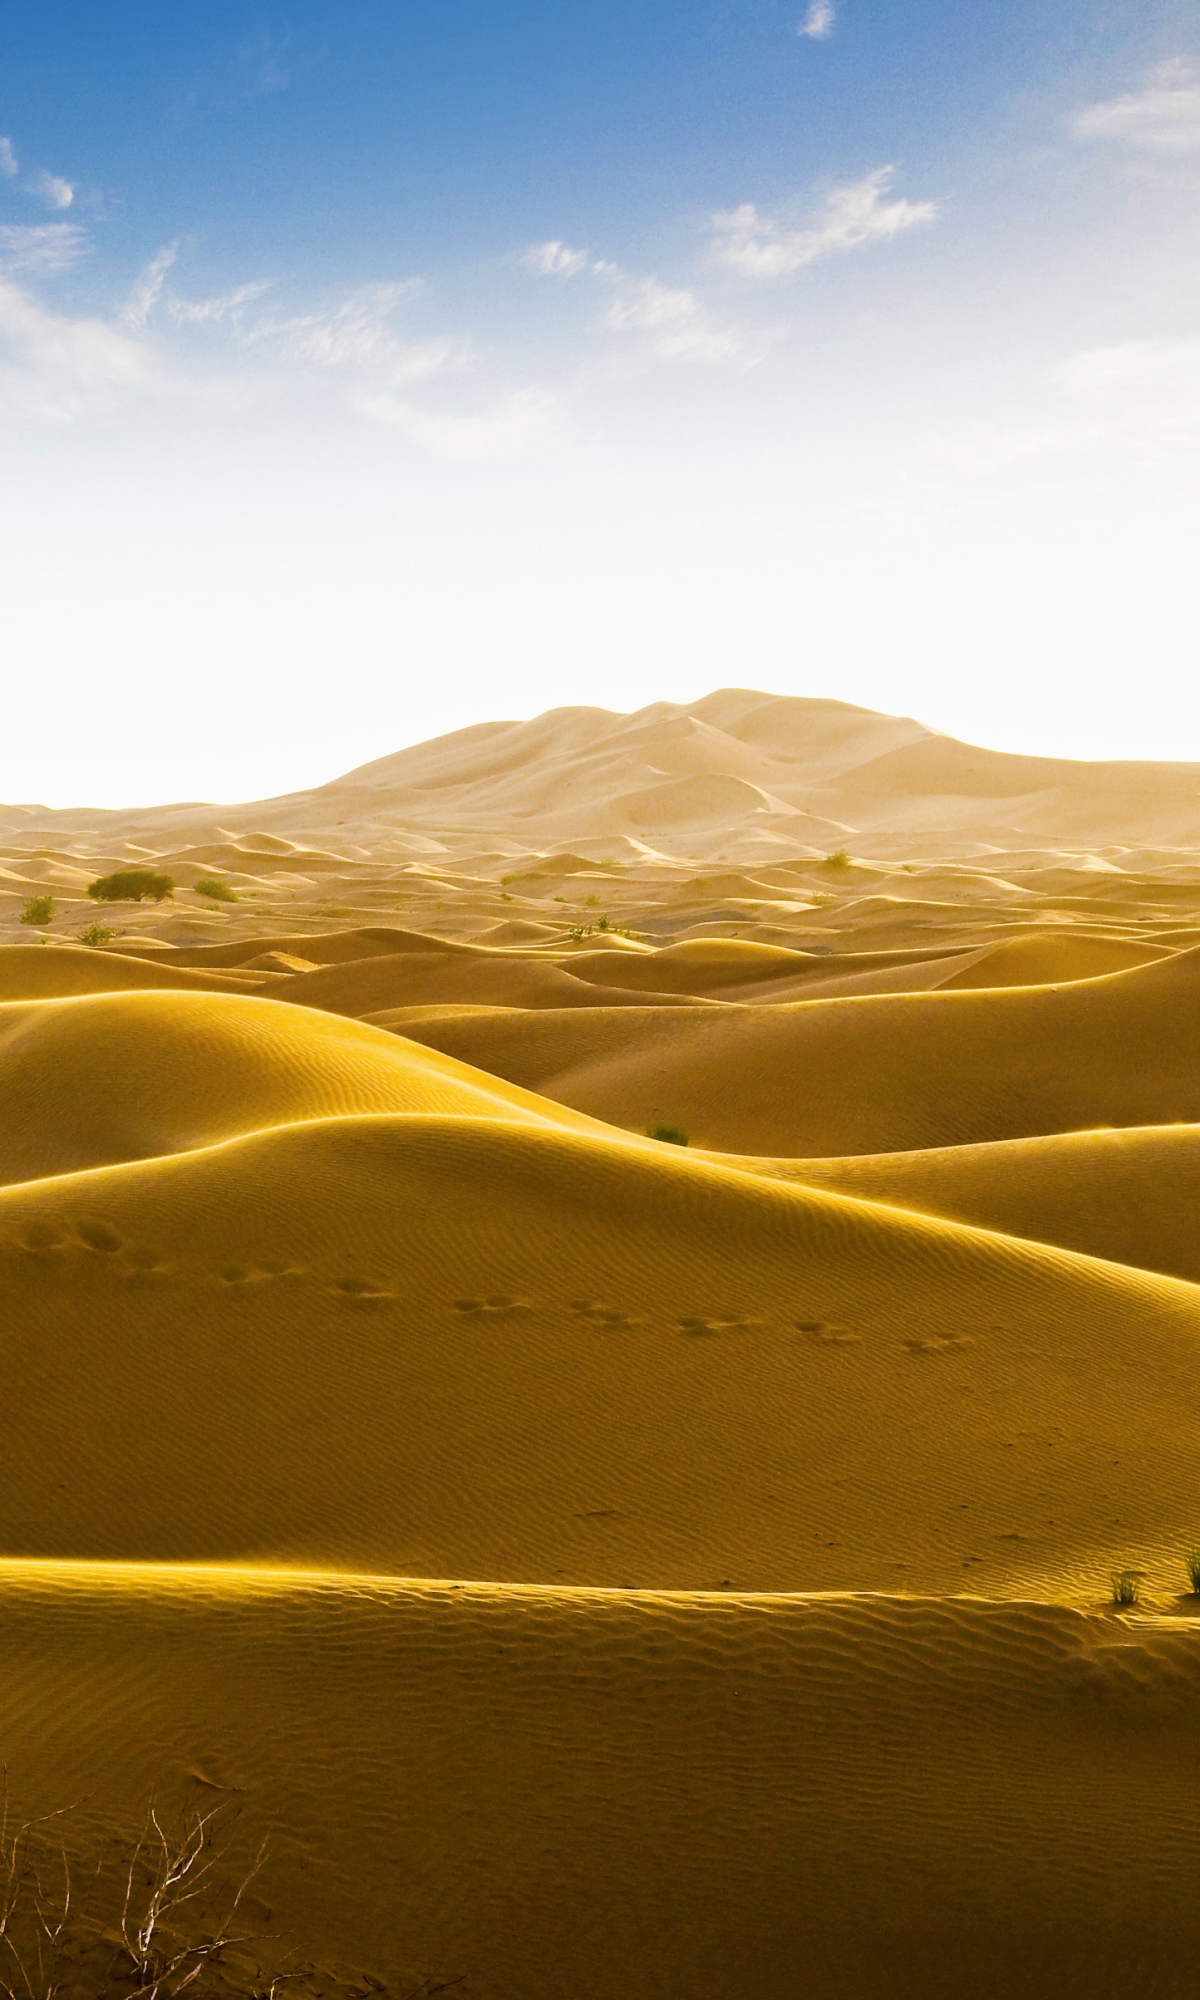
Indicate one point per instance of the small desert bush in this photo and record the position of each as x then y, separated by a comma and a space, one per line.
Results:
671, 1135
38, 910
1191, 1563
217, 892
837, 861
94, 934
1126, 1586
131, 885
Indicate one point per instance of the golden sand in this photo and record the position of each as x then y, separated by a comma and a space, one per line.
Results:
616, 1567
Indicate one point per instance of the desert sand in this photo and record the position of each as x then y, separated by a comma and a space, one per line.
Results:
611, 1564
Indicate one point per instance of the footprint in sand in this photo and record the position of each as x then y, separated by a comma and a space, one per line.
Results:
602, 1315
363, 1292
829, 1334
498, 1302
99, 1236
733, 1324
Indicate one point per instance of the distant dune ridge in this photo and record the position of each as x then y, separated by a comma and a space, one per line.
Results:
624, 1565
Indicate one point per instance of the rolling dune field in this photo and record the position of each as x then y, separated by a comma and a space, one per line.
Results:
585, 1349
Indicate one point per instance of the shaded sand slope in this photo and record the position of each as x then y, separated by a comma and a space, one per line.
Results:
883, 1073
564, 1794
412, 979
1132, 1196
127, 1076
467, 1348
53, 971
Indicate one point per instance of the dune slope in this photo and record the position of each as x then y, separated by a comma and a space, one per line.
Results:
871, 1074
476, 1348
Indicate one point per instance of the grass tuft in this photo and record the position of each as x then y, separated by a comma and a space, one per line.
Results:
97, 934
38, 910
217, 892
1191, 1563
1126, 1586
838, 860
671, 1135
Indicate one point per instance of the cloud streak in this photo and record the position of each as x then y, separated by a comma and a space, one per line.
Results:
53, 189
8, 158
852, 217
1164, 117
44, 247
817, 24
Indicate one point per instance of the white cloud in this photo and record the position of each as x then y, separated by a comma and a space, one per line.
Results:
145, 292
555, 260
1162, 118
358, 334
818, 22
54, 368
8, 159
1133, 365
523, 421
227, 305
680, 328
42, 247
54, 190
852, 216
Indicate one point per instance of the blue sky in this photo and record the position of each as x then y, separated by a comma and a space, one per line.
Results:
366, 370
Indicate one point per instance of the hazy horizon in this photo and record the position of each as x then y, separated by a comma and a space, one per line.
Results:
366, 374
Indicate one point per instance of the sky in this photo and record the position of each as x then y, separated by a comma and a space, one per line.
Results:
372, 369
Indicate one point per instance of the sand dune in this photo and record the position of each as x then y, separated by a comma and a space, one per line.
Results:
882, 1073
616, 1566
773, 1333
557, 1793
1130, 1196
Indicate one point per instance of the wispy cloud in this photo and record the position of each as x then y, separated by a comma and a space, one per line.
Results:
1164, 117
675, 324
555, 260
1133, 365
8, 158
818, 22
852, 217
679, 327
44, 247
265, 65
55, 368
147, 287
224, 306
524, 420
359, 334
53, 189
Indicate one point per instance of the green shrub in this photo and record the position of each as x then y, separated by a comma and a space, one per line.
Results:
1126, 1586
838, 860
97, 934
671, 1135
217, 892
38, 910
131, 885
1192, 1565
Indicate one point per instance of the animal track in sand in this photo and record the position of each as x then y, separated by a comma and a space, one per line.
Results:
257, 1274
732, 1324
498, 1302
99, 1236
829, 1334
936, 1343
363, 1292
603, 1315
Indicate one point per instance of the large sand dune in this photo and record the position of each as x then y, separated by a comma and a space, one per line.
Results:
618, 1567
